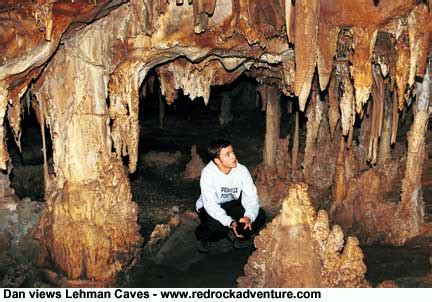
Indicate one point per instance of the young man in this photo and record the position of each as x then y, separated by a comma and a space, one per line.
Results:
228, 204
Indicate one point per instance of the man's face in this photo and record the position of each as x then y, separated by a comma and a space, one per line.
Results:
227, 158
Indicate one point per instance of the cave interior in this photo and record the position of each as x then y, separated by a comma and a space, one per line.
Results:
107, 109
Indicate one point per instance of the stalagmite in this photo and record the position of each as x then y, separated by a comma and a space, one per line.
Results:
411, 208
194, 166
364, 42
161, 110
306, 26
271, 96
298, 249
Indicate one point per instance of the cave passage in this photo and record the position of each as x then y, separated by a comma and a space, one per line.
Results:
107, 107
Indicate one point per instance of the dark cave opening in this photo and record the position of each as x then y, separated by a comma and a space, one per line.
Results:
26, 176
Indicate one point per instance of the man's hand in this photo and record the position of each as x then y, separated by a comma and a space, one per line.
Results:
233, 226
247, 221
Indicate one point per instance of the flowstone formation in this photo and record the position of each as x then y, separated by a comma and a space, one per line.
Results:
299, 249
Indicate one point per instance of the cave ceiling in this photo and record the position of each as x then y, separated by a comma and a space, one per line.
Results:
197, 44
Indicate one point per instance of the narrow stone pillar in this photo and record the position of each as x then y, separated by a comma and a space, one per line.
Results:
270, 95
411, 210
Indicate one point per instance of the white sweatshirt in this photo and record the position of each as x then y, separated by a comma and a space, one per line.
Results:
218, 188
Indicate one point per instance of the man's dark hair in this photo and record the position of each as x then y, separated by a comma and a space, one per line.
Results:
216, 146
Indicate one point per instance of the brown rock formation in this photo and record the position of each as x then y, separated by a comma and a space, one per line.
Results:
298, 249
380, 213
194, 166
85, 61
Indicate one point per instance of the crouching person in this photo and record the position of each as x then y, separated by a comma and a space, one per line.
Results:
228, 205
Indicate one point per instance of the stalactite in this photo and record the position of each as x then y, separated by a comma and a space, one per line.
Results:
202, 10
402, 69
333, 97
306, 26
289, 20
41, 120
364, 42
295, 147
384, 153
244, 25
327, 42
195, 80
14, 118
377, 115
395, 118
124, 108
273, 112
347, 102
314, 116
4, 156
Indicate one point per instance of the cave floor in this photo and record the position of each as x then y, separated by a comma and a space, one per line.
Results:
158, 190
